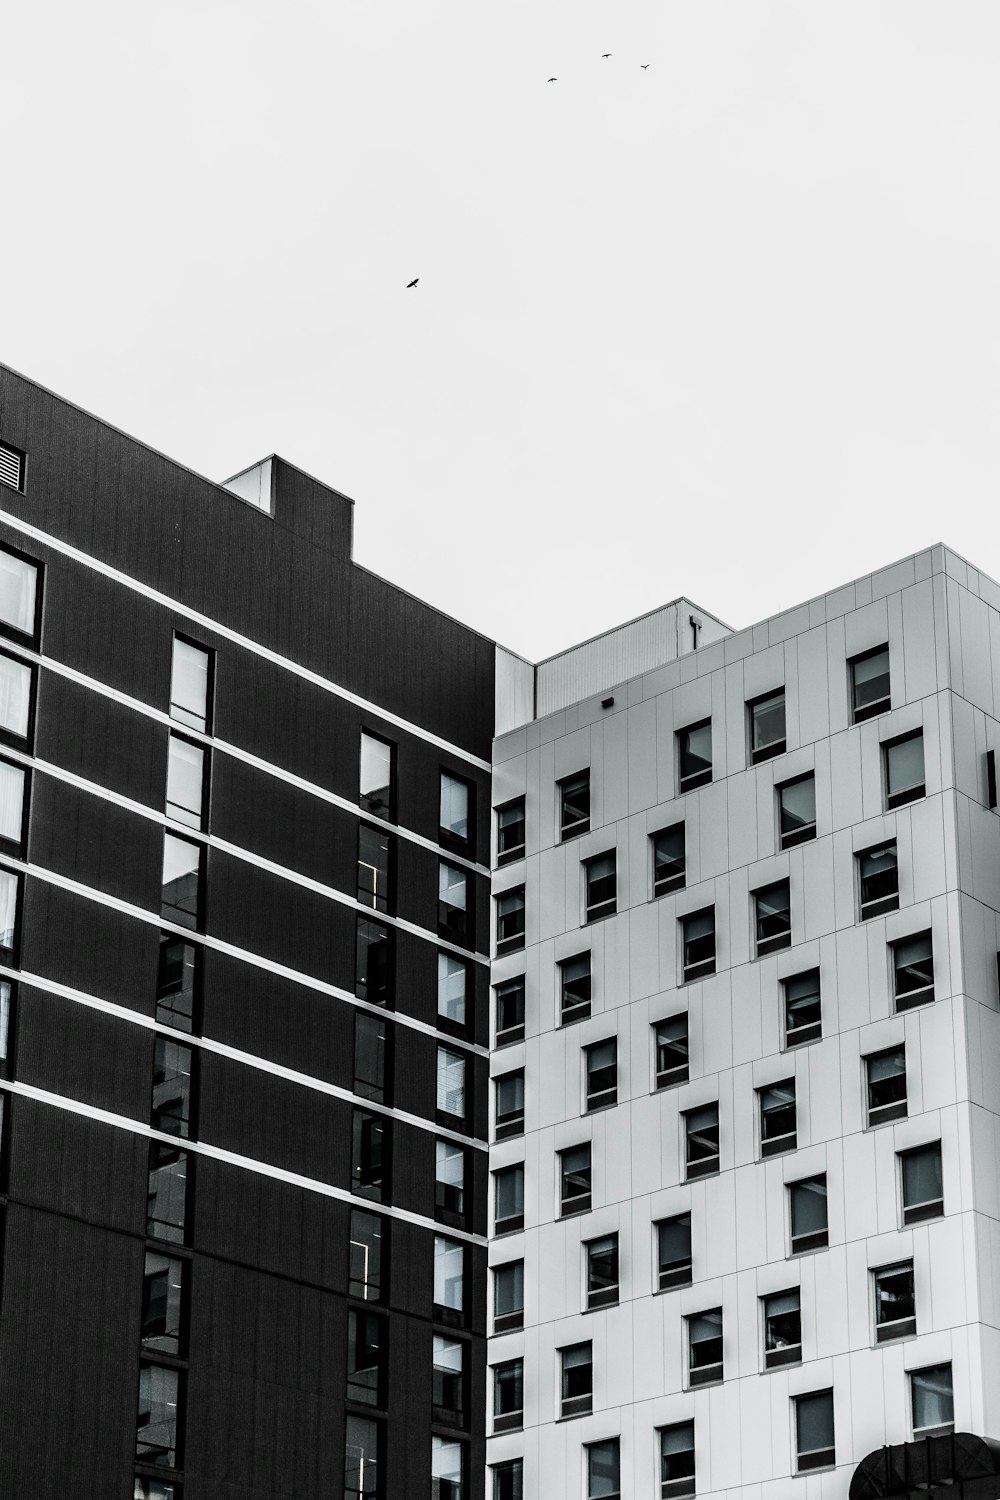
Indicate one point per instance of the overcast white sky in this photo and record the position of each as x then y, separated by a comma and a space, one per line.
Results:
728, 326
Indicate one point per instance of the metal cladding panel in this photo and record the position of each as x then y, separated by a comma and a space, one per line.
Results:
515, 691
83, 1054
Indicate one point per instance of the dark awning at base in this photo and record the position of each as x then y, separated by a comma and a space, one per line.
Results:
957, 1465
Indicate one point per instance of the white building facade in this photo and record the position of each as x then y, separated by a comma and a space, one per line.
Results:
745, 1189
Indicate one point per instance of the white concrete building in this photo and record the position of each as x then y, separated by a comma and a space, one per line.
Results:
746, 1073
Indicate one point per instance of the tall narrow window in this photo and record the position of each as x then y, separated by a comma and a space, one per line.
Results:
767, 726
895, 1302
372, 1058
508, 1480
185, 782
166, 1193
450, 1082
16, 683
922, 1183
913, 971
13, 784
453, 981
163, 1304
669, 860
705, 1347
448, 1380
773, 917
510, 832
454, 914
190, 685
698, 945
601, 883
449, 1276
604, 1470
454, 810
366, 1358
878, 873
374, 867
904, 769
577, 1371
797, 811
510, 920
673, 1252
886, 1078
373, 962
449, 1177
8, 916
361, 1460
870, 684
508, 1395
694, 754
157, 1439
365, 1259
701, 1141
574, 805
782, 1329
777, 1118
575, 1180
177, 983
180, 900
933, 1401
677, 1472
803, 1010
370, 1156
602, 1271
18, 593
446, 1469
574, 988
814, 1441
508, 1091
510, 1012
6, 1001
508, 1199
508, 1296
171, 1103
672, 1051
376, 777
600, 1062
808, 1211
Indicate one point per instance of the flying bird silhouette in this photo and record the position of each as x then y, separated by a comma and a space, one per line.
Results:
644, 65
605, 54
551, 80
412, 283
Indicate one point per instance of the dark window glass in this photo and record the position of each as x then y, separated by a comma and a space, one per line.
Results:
601, 1067
447, 1466
782, 1329
797, 811
577, 1384
904, 769
574, 988
923, 1183
166, 1194
913, 971
180, 900
510, 832
8, 915
870, 684
510, 1011
510, 920
705, 1347
157, 1439
18, 591
886, 1075
163, 1304
895, 1302
673, 1252
370, 1156
372, 1058
879, 874
367, 1338
601, 880
376, 778
698, 928
677, 1474
453, 984
6, 1004
509, 1102
508, 1296
185, 782
448, 1377
190, 685
767, 726
777, 1118
16, 685
803, 1012
374, 859
694, 746
508, 1199
574, 805
669, 860
146, 1488
449, 1277
373, 963
365, 1260
814, 1431
575, 1180
808, 1209
508, 1395
701, 1139
773, 915
602, 1271
171, 1101
671, 1051
454, 812
449, 1177
933, 1401
454, 912
13, 786
361, 1459
508, 1480
604, 1470
177, 983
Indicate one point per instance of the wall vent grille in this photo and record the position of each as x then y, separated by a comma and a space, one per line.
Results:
11, 466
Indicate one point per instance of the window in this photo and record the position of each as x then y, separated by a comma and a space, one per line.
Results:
16, 682
803, 1013
669, 863
448, 1379
361, 1466
698, 950
454, 914
156, 1432
446, 1469
510, 920
932, 1400
13, 784
508, 1199
449, 1177
673, 1252
574, 805
8, 916
163, 1304
797, 811
376, 781
677, 1473
510, 1012
450, 1082
782, 1329
509, 1104
814, 1446
370, 1143
508, 1296
777, 1118
878, 872
913, 971
180, 899
601, 1072
577, 1380
694, 753
374, 867
508, 1395
602, 1271
922, 1183
671, 1038
904, 769
6, 999
705, 1347
373, 962
449, 1276
701, 1141
601, 882
155, 1489
895, 1302
11, 466
185, 782
365, 1260
808, 1213
886, 1078
767, 726
190, 685
870, 684
453, 984
171, 1101
508, 1480
166, 1192
372, 1058
604, 1470
510, 832
177, 983
366, 1358
575, 1180
574, 988
773, 916
18, 590
454, 813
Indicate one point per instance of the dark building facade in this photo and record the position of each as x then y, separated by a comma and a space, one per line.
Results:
244, 797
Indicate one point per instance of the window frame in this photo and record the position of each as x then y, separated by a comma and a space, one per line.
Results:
511, 1420
203, 791
368, 809
510, 1223
878, 906
171, 914
368, 895
446, 838
890, 1329
30, 637
709, 1164
788, 1140
781, 939
507, 1322
581, 1404
917, 789
710, 1371
939, 1429
815, 1028
510, 942
679, 1072
596, 911
859, 715
807, 831
670, 1275
599, 1098
923, 1209
778, 1356
608, 1294
693, 779
613, 1445
810, 1239
209, 653
573, 1204
677, 1486
877, 1115
922, 994
579, 781
773, 748
24, 741
702, 968
663, 885
456, 924
512, 1122
18, 846
510, 1034
818, 1458
510, 855
578, 1010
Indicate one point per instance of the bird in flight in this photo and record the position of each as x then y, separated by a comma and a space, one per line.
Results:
605, 54
644, 65
551, 80
412, 283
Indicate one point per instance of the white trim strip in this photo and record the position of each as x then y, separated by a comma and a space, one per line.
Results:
266, 654
256, 960
231, 1158
248, 1059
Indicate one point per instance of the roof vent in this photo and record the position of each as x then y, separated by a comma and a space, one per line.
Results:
11, 466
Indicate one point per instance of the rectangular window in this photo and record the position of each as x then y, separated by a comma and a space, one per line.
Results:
577, 1380
508, 1199
932, 1400
803, 1011
773, 917
574, 1180
878, 873
163, 1304
508, 1093
604, 1470
782, 1329
814, 1445
451, 1082
454, 811
446, 1469
449, 1177
601, 882
574, 989
508, 1297
701, 1141
155, 1489
669, 860
508, 1395
448, 1380
185, 782
370, 1143
157, 1439
372, 1058
361, 1459
922, 1183
376, 781
453, 984
913, 971
777, 1118
602, 1271
698, 929
797, 811
16, 683
600, 1062
508, 1480
885, 1074
449, 1275
166, 1192
510, 1012
895, 1302
808, 1213
374, 867
180, 899
574, 805
177, 983
870, 684
171, 1101
767, 726
694, 755
705, 1347
190, 685
8, 916
6, 1000
18, 592
510, 920
673, 1252
13, 783
454, 913
904, 769
671, 1038
373, 962
510, 832
366, 1358
365, 1259
677, 1472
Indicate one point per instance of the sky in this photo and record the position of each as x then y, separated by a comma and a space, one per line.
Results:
726, 326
